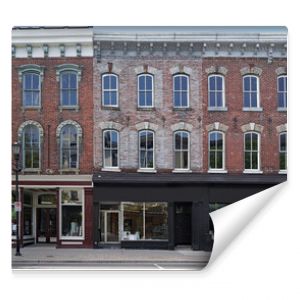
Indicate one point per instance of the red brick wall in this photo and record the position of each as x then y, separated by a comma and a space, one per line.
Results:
269, 117
50, 116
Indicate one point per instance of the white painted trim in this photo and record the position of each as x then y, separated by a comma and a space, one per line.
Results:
249, 171
282, 172
110, 168
189, 151
182, 171
258, 107
63, 242
54, 177
216, 108
146, 170
139, 144
138, 91
217, 171
110, 90
188, 90
222, 170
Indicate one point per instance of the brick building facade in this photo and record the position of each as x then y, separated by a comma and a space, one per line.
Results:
171, 123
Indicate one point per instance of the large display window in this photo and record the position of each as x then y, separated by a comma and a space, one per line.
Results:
145, 221
72, 214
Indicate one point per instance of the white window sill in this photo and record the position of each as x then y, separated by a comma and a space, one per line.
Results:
217, 171
252, 109
70, 107
282, 109
282, 172
61, 171
182, 171
31, 170
68, 238
252, 172
146, 171
225, 108
111, 169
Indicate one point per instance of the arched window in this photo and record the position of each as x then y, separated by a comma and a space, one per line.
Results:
282, 91
68, 88
31, 147
110, 149
283, 151
180, 91
216, 150
182, 150
31, 84
146, 149
145, 90
110, 90
216, 91
252, 151
69, 150
251, 91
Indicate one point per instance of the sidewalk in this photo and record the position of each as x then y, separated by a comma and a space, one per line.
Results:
50, 254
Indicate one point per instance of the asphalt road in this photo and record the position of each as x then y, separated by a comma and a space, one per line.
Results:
126, 266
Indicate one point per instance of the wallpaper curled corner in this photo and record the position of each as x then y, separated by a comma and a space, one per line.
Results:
231, 220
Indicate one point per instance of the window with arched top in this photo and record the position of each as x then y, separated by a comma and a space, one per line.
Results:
282, 91
146, 149
216, 91
110, 83
31, 84
216, 151
31, 147
69, 147
110, 149
182, 150
283, 151
145, 90
252, 151
251, 92
68, 89
181, 91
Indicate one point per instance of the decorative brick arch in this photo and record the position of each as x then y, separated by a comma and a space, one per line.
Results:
31, 68
217, 126
281, 128
281, 71
69, 122
69, 67
112, 68
216, 70
146, 69
182, 126
251, 70
147, 126
111, 125
181, 69
30, 122
252, 127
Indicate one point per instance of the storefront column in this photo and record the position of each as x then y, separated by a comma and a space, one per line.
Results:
171, 225
96, 233
57, 217
21, 215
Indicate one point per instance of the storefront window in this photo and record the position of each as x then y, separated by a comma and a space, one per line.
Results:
145, 220
72, 213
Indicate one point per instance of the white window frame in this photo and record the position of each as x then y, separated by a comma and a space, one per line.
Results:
152, 91
258, 170
216, 170
283, 171
110, 90
284, 108
31, 72
222, 107
103, 150
62, 73
23, 149
143, 169
60, 149
188, 90
250, 108
180, 150
80, 191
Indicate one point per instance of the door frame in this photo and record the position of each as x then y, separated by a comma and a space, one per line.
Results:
48, 235
190, 205
105, 225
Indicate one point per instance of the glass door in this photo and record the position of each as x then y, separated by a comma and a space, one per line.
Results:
46, 225
109, 226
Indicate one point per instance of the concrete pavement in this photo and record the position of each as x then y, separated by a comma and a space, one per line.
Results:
49, 257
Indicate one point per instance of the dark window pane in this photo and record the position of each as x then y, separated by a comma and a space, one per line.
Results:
150, 159
73, 97
184, 83
177, 141
65, 97
177, 99
113, 82
283, 142
247, 160
142, 98
177, 160
149, 99
177, 85
282, 161
212, 141
73, 81
142, 85
106, 99
212, 160
246, 84
27, 81
254, 141
143, 140
212, 101
219, 83
184, 99
281, 102
185, 160
71, 220
212, 83
253, 84
106, 84
114, 139
185, 140
27, 98
114, 158
64, 81
254, 99
113, 98
149, 82
107, 139
246, 99
143, 159
248, 141
35, 81
281, 84
219, 141
107, 158
254, 160
219, 99
149, 140
35, 98
219, 160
